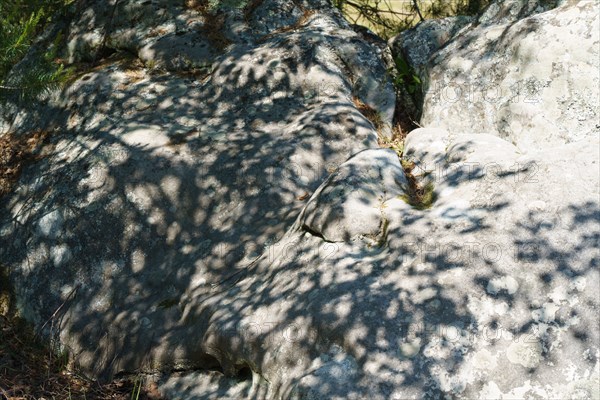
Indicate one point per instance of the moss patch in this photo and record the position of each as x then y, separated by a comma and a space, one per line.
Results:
417, 195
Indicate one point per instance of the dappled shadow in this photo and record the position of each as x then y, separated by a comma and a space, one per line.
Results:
164, 230
415, 315
489, 79
158, 184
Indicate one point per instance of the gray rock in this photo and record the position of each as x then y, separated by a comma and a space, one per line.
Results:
463, 300
50, 225
161, 187
209, 385
509, 11
416, 45
248, 224
531, 81
120, 24
179, 52
350, 204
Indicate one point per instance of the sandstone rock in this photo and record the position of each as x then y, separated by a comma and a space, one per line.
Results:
350, 204
179, 52
246, 223
416, 45
208, 385
160, 186
484, 294
477, 280
510, 11
532, 81
411, 51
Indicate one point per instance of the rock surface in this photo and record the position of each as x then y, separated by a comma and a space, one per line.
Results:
244, 221
350, 204
527, 76
160, 185
416, 45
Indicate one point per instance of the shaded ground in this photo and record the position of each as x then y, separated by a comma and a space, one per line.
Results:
29, 369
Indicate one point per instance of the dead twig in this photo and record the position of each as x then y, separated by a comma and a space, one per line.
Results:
59, 308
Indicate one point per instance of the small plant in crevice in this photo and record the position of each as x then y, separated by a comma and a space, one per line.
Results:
417, 195
396, 142
137, 388
409, 89
420, 196
407, 77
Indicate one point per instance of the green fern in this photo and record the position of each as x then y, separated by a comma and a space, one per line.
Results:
20, 23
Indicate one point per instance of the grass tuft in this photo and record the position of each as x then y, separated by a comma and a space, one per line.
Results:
420, 196
396, 142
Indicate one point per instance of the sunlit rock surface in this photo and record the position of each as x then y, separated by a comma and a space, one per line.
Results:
529, 79
415, 46
230, 224
157, 185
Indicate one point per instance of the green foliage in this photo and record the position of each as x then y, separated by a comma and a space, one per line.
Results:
137, 387
21, 21
421, 198
407, 77
15, 37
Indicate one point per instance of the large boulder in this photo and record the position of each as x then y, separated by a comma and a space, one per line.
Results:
528, 76
158, 184
490, 293
416, 45
237, 230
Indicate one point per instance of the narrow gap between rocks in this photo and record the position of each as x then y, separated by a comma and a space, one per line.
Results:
420, 194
